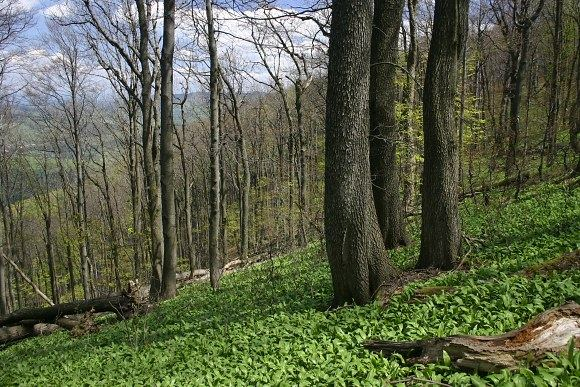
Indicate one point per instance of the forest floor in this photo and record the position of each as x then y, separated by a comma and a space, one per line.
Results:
269, 324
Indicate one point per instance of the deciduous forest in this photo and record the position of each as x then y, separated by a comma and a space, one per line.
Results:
290, 192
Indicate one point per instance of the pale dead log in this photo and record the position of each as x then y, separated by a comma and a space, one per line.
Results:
549, 332
19, 332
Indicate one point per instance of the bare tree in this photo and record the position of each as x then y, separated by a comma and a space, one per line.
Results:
215, 176
168, 285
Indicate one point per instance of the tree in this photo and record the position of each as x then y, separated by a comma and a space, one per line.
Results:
440, 229
14, 20
168, 285
383, 121
515, 23
129, 37
409, 163
215, 176
354, 245
554, 100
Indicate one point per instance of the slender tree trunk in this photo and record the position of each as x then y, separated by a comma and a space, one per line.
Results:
554, 101
409, 164
244, 185
440, 228
50, 257
354, 245
519, 64
135, 176
189, 248
3, 288
169, 286
80, 209
214, 202
149, 144
303, 186
383, 122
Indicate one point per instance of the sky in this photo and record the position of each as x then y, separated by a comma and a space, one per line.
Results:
233, 39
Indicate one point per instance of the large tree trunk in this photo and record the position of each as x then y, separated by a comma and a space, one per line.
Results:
549, 332
168, 285
358, 261
383, 121
214, 202
440, 235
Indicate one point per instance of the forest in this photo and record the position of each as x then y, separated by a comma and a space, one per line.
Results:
290, 192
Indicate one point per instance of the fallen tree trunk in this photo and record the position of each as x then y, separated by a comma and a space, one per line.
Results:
549, 332
500, 184
20, 332
122, 304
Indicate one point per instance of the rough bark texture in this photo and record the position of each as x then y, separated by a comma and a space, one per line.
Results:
358, 261
549, 332
149, 143
440, 235
168, 284
383, 121
214, 216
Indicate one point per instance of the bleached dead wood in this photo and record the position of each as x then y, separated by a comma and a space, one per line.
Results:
549, 332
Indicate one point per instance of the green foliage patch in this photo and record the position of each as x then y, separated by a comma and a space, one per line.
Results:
268, 325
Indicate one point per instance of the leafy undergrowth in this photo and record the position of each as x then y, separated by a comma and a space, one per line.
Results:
268, 325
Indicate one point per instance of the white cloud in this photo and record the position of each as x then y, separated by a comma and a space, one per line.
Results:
29, 4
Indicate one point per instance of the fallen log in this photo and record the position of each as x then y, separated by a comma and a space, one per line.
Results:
20, 332
122, 304
549, 332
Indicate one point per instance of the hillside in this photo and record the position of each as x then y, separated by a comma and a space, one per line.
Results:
268, 325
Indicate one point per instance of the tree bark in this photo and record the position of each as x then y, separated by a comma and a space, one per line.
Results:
214, 218
168, 285
149, 144
383, 122
440, 234
358, 261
